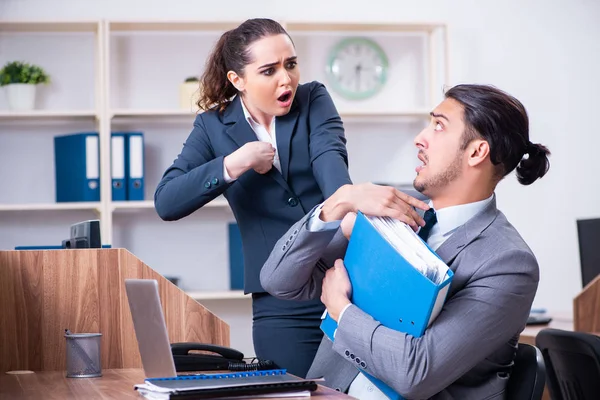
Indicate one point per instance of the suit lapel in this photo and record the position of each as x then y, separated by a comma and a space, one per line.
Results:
239, 130
241, 133
467, 233
285, 127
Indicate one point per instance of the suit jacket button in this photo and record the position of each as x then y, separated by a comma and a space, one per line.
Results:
292, 202
363, 364
338, 389
347, 353
207, 184
215, 181
352, 356
357, 360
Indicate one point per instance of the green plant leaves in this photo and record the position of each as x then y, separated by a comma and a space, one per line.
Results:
22, 72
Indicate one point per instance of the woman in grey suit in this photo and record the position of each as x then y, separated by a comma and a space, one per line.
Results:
274, 148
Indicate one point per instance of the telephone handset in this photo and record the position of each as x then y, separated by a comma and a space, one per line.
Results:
224, 359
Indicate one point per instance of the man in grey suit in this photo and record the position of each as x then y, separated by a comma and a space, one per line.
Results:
476, 137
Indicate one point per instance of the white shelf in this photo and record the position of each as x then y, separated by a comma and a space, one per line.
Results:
8, 115
354, 116
109, 115
219, 202
385, 116
123, 113
171, 26
333, 27
224, 295
94, 206
48, 26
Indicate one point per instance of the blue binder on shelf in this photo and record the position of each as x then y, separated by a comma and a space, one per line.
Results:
117, 166
77, 162
127, 165
389, 288
135, 166
236, 258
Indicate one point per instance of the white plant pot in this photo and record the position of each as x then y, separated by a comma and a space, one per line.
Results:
20, 96
189, 93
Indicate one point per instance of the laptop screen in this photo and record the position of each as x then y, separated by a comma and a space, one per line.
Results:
150, 328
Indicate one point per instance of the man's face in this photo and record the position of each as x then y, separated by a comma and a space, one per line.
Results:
440, 151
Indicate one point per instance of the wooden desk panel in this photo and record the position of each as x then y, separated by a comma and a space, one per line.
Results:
114, 384
44, 292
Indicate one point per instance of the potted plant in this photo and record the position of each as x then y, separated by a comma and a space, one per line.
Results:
20, 80
189, 93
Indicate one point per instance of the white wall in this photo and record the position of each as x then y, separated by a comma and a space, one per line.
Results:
546, 53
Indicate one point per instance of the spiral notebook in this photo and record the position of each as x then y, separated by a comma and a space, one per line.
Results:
235, 384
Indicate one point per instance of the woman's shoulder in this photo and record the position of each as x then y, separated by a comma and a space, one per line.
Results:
308, 92
309, 87
211, 116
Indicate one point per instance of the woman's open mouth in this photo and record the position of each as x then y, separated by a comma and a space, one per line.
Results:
285, 100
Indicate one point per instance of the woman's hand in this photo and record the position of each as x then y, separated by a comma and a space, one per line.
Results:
374, 200
253, 155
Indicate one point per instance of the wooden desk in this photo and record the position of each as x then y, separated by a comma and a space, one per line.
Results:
562, 321
114, 384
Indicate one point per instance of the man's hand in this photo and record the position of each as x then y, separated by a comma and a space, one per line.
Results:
373, 200
337, 289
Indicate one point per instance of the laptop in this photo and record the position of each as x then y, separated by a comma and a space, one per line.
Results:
150, 328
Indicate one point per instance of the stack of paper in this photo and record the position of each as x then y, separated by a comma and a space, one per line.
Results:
411, 247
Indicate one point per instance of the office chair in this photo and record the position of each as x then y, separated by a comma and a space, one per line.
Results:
528, 375
572, 363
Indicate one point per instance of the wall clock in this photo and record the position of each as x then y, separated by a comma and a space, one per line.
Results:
357, 68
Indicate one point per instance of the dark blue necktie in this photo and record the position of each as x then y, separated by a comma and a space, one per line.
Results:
430, 220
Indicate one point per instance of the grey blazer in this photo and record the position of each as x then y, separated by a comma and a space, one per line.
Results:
466, 353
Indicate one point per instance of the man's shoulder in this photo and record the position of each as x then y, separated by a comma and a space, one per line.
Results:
507, 237
501, 247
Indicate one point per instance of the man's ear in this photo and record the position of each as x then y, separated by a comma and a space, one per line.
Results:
236, 80
477, 151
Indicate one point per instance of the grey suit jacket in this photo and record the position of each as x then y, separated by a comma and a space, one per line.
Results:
466, 353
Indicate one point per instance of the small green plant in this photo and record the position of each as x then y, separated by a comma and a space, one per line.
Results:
22, 72
191, 79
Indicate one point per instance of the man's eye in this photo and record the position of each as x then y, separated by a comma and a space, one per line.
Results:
292, 64
438, 126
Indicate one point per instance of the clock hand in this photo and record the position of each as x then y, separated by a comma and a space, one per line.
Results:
358, 69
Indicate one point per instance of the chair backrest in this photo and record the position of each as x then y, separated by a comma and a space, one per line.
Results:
528, 375
572, 363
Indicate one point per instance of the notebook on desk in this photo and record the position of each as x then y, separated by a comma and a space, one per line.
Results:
239, 384
396, 278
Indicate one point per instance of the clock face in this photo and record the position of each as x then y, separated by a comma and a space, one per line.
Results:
357, 68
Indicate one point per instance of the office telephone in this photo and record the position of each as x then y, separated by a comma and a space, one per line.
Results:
224, 359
